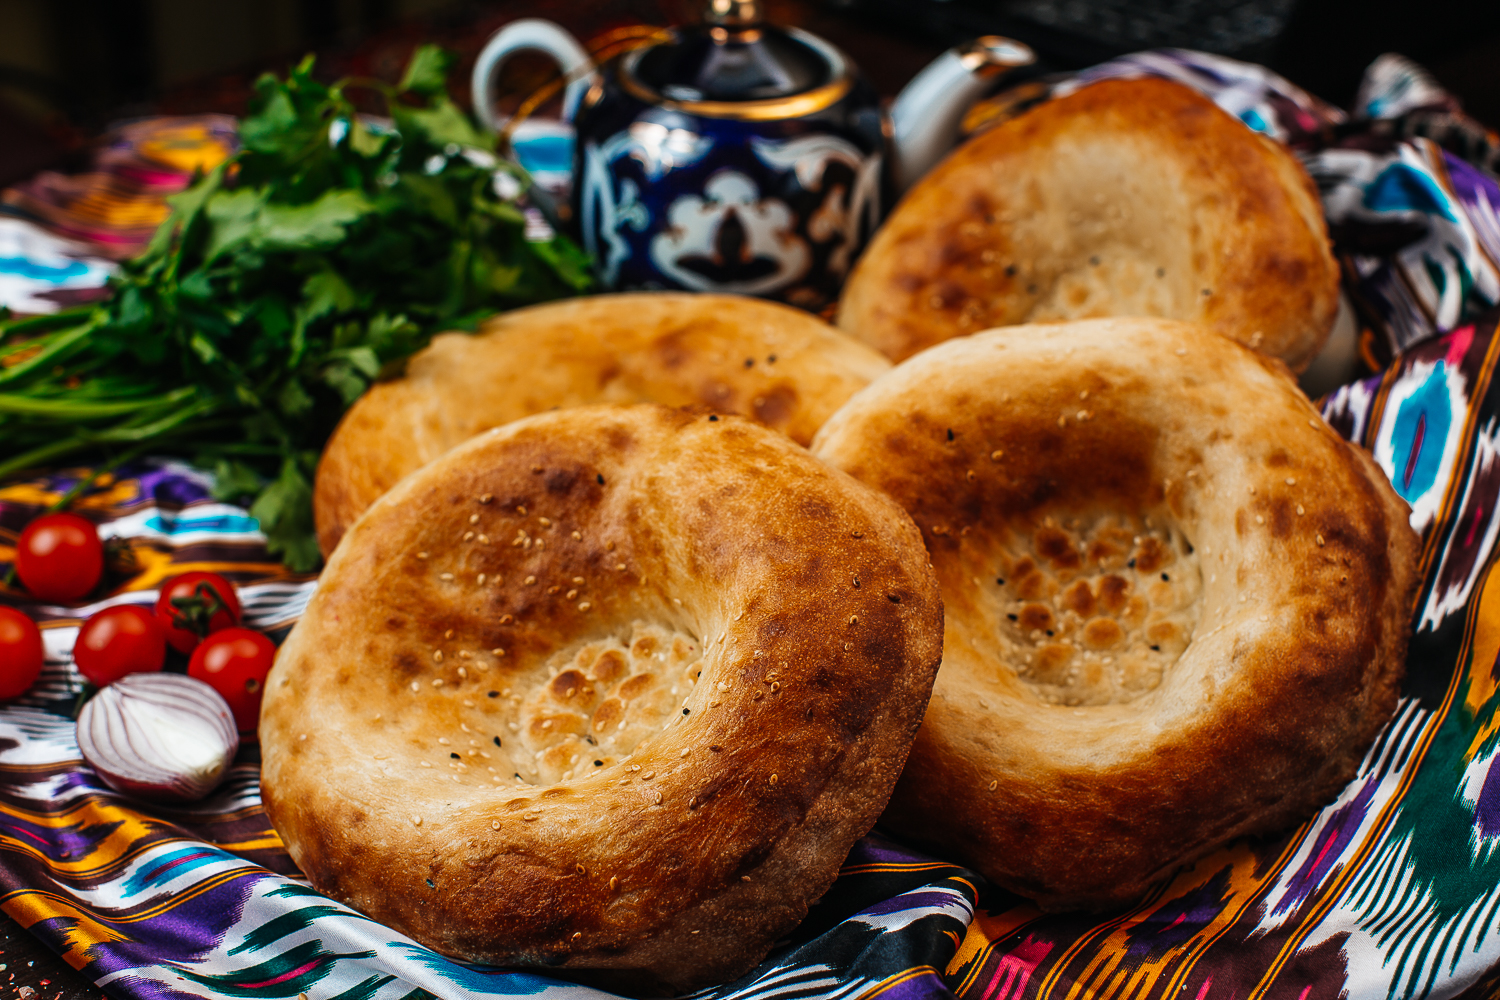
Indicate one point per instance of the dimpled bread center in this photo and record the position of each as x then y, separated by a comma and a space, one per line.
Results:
595, 704
1095, 611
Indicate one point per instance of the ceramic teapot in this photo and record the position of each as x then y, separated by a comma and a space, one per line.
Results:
736, 156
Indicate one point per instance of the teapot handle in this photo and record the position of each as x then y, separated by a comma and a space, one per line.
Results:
926, 114
543, 36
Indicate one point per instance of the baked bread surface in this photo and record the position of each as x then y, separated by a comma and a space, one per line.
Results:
1127, 198
1176, 601
609, 691
775, 364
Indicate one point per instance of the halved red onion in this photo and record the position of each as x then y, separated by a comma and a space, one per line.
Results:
159, 736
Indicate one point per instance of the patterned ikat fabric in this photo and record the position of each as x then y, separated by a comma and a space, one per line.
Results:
1393, 890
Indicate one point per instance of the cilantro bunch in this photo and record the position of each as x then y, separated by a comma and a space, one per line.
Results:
316, 260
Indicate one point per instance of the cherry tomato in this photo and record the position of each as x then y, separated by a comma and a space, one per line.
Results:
124, 639
59, 557
189, 619
20, 652
235, 663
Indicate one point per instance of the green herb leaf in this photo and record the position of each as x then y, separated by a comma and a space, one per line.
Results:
323, 293
309, 227
234, 481
234, 215
442, 125
284, 511
294, 400
284, 282
363, 141
427, 73
364, 359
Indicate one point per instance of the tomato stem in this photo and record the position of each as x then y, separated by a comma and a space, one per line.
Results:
194, 612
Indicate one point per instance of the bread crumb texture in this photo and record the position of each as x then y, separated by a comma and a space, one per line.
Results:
1092, 612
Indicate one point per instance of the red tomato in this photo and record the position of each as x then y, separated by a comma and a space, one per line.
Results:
124, 639
189, 620
59, 557
235, 663
20, 652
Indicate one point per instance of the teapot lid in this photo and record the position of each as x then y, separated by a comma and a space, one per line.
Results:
734, 65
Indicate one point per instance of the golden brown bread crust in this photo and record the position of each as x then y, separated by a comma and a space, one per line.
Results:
784, 368
600, 550
1176, 601
1126, 198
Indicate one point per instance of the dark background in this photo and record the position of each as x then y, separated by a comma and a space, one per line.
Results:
67, 69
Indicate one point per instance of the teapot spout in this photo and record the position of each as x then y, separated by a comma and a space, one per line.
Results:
926, 114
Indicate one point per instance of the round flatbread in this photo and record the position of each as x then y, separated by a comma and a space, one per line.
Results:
775, 364
1127, 198
610, 691
1177, 603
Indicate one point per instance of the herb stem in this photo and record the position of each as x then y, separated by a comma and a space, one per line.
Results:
87, 482
38, 456
41, 324
64, 409
143, 431
54, 349
83, 440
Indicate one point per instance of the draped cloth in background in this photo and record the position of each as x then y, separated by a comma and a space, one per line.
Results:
116, 205
60, 234
1391, 891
